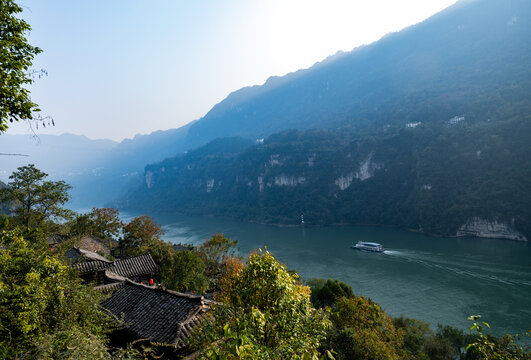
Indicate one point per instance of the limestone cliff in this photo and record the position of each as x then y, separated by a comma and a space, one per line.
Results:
478, 227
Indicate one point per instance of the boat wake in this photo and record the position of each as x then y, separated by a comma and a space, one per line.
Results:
393, 252
467, 268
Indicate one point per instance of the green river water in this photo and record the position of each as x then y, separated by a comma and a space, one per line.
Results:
438, 280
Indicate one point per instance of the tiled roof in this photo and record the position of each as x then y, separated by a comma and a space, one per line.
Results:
87, 267
134, 266
76, 255
109, 288
162, 316
88, 262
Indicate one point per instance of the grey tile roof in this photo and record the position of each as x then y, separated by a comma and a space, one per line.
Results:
87, 267
109, 288
87, 262
77, 255
134, 266
162, 316
92, 256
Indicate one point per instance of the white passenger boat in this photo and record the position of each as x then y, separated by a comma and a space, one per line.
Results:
368, 246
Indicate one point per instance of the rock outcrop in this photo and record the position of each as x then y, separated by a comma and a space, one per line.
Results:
478, 227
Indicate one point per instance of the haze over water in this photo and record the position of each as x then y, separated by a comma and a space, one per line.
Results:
438, 280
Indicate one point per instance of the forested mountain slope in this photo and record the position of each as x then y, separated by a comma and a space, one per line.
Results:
427, 129
443, 178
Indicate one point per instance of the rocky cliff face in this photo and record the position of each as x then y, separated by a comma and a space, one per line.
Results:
365, 171
427, 178
478, 227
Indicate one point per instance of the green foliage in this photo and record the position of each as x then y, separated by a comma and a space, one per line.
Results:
45, 311
363, 331
141, 232
37, 203
488, 348
421, 342
218, 248
17, 56
82, 225
181, 271
267, 314
4, 222
106, 222
215, 252
416, 333
325, 293
186, 273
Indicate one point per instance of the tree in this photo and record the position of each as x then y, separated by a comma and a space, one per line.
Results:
266, 314
106, 222
486, 347
81, 225
45, 311
186, 273
216, 251
363, 331
141, 232
325, 293
16, 56
418, 335
218, 248
35, 200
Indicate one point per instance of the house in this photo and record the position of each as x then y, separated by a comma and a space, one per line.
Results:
139, 268
93, 267
154, 314
90, 265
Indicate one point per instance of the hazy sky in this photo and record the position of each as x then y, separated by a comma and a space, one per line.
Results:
123, 67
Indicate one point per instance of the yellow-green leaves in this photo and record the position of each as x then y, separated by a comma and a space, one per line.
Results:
265, 314
43, 306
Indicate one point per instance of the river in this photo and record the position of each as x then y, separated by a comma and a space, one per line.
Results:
438, 280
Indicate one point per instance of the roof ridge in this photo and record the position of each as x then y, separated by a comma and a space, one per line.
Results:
162, 289
132, 257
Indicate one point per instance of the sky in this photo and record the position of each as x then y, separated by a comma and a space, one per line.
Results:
124, 67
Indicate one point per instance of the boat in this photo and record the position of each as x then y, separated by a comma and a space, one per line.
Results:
368, 246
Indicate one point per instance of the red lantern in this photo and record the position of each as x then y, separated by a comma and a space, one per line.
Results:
150, 281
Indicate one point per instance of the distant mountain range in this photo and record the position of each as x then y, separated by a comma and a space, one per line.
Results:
99, 170
427, 128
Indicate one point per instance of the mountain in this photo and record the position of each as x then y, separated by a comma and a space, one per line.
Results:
427, 129
464, 60
446, 178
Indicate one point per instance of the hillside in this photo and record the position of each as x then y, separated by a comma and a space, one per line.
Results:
426, 129
443, 178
